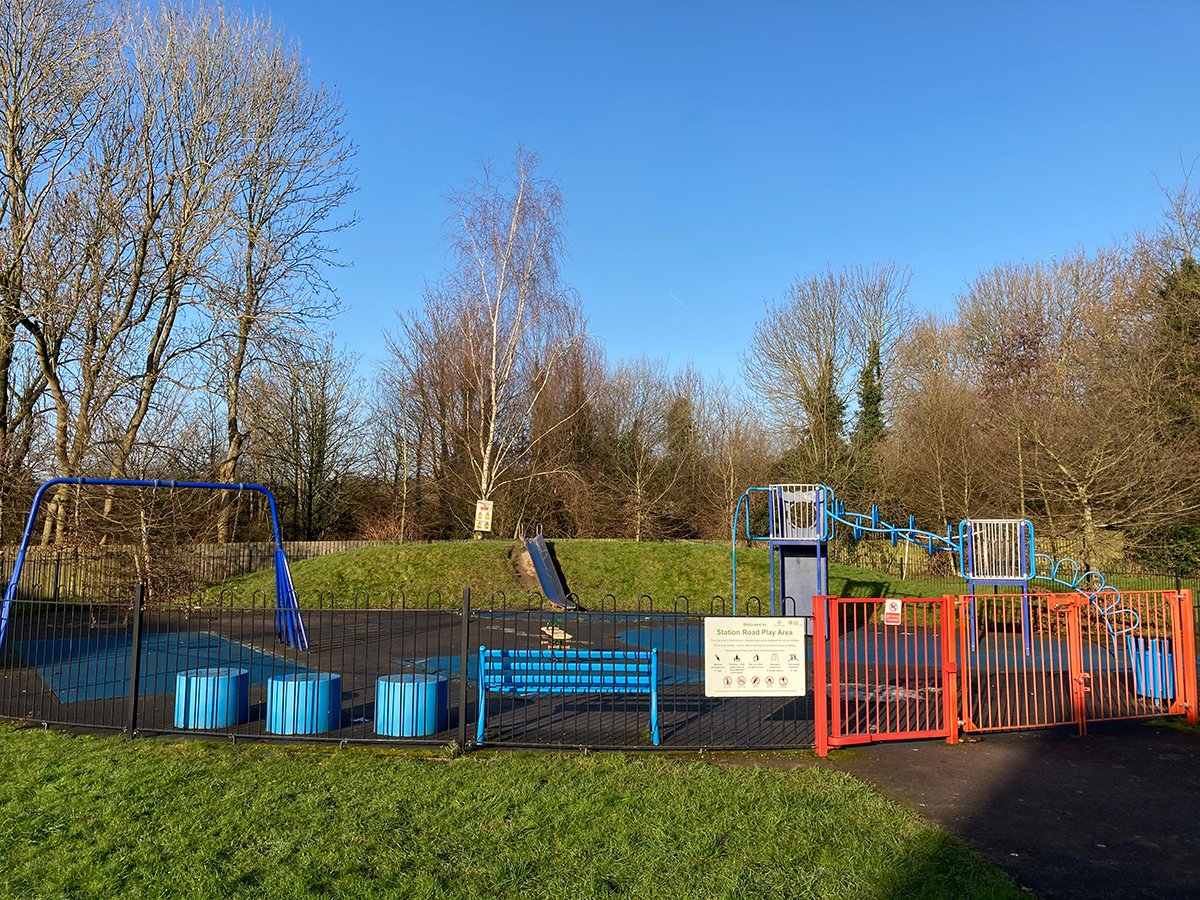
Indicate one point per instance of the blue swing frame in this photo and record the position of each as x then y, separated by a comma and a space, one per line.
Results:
289, 626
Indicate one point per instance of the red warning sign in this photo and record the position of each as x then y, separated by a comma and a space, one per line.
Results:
893, 612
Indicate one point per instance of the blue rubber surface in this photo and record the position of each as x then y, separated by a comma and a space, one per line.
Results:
687, 639
97, 668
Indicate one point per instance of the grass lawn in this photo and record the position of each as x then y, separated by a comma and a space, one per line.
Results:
594, 569
85, 816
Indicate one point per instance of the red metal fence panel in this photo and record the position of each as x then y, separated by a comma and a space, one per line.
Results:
1009, 681
998, 662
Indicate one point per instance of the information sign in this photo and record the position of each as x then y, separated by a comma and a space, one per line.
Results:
483, 515
760, 656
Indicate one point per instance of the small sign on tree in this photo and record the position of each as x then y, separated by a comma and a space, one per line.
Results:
483, 515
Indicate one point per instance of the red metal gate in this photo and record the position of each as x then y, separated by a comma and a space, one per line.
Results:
887, 674
1035, 660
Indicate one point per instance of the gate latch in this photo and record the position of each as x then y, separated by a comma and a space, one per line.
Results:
1085, 679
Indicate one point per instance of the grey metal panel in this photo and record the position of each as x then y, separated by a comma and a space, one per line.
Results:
799, 578
998, 549
794, 514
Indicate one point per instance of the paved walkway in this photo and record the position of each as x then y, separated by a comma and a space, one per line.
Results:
1112, 814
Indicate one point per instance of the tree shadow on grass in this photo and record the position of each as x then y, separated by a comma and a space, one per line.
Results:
861, 588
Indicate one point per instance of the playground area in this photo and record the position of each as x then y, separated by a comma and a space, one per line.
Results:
1006, 655
74, 665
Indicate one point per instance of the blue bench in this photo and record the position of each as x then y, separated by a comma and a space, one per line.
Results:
568, 672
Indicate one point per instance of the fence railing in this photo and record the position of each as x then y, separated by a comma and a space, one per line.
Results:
211, 667
54, 573
391, 668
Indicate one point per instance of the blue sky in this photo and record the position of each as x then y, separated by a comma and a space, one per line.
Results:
710, 153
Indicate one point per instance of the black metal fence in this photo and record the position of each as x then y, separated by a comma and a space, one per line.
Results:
117, 663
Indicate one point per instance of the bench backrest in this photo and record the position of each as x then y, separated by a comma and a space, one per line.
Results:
568, 671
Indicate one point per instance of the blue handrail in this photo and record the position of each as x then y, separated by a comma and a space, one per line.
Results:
743, 501
1086, 578
289, 626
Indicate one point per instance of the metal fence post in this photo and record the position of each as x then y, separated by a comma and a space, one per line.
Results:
462, 668
135, 666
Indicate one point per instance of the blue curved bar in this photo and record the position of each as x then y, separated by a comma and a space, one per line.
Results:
289, 626
743, 501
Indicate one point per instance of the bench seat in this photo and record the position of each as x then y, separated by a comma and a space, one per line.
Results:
568, 672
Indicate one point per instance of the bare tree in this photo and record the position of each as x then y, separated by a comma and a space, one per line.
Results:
566, 496
394, 441
495, 332
933, 456
805, 353
1178, 234
56, 60
642, 469
290, 177
307, 429
737, 451
139, 232
1063, 354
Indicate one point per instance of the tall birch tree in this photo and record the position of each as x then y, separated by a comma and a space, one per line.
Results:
495, 331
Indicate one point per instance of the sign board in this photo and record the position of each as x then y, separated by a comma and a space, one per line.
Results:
760, 656
483, 515
893, 611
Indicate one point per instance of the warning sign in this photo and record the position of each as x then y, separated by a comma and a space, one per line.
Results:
761, 656
483, 515
893, 612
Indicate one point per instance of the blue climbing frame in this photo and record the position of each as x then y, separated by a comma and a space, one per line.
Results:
799, 543
289, 626
809, 514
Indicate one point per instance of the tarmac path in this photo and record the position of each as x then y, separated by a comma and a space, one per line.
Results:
1113, 814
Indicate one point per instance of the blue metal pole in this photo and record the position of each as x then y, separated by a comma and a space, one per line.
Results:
10, 591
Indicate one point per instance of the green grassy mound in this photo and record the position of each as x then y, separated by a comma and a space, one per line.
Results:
406, 571
595, 570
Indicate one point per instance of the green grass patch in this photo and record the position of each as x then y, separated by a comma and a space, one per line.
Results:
103, 817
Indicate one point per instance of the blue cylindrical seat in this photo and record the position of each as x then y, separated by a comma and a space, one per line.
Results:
212, 697
304, 703
1153, 663
411, 705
